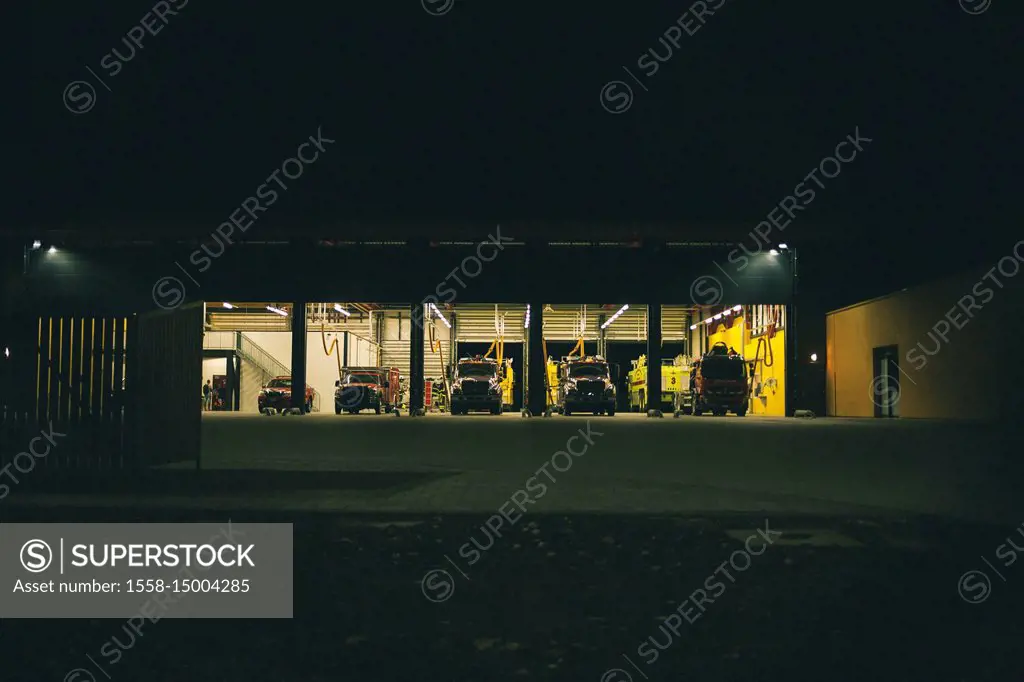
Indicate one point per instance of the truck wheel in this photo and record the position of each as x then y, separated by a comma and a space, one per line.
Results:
742, 412
696, 410
610, 411
376, 408
337, 408
566, 411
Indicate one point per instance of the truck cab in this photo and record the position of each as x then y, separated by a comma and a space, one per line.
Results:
587, 384
477, 385
360, 388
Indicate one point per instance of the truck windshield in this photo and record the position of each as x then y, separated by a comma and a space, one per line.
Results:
713, 368
362, 379
476, 369
588, 370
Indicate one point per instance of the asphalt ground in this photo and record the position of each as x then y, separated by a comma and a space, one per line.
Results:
694, 548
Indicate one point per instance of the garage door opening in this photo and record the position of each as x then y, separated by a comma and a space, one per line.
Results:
249, 349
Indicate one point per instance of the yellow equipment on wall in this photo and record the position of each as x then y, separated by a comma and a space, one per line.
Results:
508, 377
552, 367
439, 400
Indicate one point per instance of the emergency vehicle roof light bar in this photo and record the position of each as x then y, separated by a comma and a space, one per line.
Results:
437, 312
615, 316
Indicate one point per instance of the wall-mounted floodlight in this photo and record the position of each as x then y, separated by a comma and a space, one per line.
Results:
37, 244
615, 316
52, 249
280, 312
342, 310
783, 246
228, 305
437, 312
526, 323
814, 357
7, 352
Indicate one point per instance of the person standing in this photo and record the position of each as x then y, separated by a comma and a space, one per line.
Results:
207, 396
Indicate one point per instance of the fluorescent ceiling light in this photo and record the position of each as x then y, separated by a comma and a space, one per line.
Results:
438, 313
615, 316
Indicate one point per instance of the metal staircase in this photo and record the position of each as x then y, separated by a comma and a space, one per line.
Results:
250, 351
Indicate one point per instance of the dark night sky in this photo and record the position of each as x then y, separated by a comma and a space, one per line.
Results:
492, 112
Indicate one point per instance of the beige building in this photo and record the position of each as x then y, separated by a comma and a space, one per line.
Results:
946, 349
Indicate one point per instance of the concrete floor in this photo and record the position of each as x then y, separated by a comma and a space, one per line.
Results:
474, 463
877, 523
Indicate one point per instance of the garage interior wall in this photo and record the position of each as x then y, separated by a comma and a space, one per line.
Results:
955, 361
768, 395
394, 342
321, 368
563, 322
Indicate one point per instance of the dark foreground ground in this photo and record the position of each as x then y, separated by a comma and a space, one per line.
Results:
893, 563
571, 597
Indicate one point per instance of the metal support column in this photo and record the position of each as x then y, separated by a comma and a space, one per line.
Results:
229, 387
536, 399
299, 355
236, 389
793, 364
653, 356
416, 359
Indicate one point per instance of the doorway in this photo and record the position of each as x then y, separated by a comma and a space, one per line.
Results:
885, 387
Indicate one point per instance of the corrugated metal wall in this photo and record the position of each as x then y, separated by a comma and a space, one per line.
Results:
479, 323
395, 343
563, 322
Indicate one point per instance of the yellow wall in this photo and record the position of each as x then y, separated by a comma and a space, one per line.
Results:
772, 401
973, 374
735, 335
731, 331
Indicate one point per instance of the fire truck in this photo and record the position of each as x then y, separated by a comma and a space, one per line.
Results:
586, 384
719, 382
674, 380
360, 388
477, 385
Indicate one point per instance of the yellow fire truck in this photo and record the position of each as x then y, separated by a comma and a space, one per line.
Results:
675, 378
